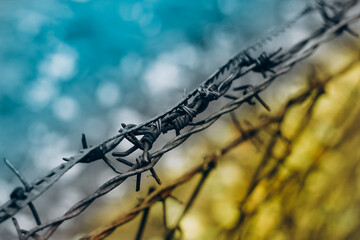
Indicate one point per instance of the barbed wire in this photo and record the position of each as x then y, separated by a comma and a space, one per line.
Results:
161, 194
315, 89
178, 118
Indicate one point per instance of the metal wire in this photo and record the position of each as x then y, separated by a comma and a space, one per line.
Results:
181, 116
163, 193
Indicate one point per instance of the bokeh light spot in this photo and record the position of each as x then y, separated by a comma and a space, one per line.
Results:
30, 22
40, 94
192, 227
108, 94
65, 108
162, 76
60, 65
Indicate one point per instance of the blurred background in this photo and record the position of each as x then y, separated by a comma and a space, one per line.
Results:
85, 66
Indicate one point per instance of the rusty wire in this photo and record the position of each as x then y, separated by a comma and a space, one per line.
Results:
179, 117
314, 91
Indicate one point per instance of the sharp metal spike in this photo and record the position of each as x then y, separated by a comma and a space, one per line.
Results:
83, 141
262, 103
110, 164
156, 177
124, 161
230, 97
138, 181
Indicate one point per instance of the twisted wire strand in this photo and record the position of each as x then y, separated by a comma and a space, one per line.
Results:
164, 192
177, 118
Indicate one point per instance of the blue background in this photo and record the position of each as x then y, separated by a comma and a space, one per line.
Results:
72, 67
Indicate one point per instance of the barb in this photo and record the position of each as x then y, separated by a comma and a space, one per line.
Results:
332, 15
177, 118
20, 193
163, 193
260, 174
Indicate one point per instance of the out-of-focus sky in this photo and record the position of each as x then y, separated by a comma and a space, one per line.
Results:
86, 66
69, 67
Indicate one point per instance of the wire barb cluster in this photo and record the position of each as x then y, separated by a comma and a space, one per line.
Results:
312, 94
143, 136
204, 168
333, 14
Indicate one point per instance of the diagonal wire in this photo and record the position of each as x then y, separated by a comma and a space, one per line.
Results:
137, 169
178, 118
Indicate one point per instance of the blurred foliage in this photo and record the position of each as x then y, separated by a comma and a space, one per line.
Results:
303, 183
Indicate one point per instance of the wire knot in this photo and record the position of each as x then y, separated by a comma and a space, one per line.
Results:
154, 132
333, 16
263, 63
209, 92
18, 194
189, 111
181, 122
